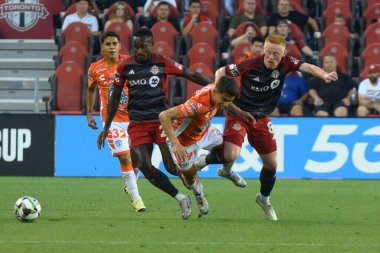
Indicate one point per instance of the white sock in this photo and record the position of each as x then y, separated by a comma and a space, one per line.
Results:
131, 185
180, 196
137, 172
227, 168
197, 187
265, 199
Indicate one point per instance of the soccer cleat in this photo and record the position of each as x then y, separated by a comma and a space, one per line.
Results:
200, 162
185, 205
201, 202
270, 214
234, 177
138, 205
182, 177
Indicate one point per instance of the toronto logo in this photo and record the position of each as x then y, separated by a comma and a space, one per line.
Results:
23, 14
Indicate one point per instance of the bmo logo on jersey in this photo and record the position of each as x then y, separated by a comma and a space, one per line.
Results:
13, 143
153, 81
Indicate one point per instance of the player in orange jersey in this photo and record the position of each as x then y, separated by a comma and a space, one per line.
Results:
192, 130
102, 74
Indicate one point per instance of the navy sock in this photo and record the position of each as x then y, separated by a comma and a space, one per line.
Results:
267, 180
161, 181
216, 157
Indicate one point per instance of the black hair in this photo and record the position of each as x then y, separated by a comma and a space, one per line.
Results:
228, 85
162, 3
258, 39
107, 34
194, 1
143, 32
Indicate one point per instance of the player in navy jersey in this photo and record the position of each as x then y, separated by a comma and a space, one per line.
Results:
262, 79
145, 73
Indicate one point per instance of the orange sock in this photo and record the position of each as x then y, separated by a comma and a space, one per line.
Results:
126, 167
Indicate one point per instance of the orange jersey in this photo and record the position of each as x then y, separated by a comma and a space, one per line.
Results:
103, 75
196, 114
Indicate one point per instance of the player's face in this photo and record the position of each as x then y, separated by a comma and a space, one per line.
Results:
273, 54
111, 47
143, 48
221, 100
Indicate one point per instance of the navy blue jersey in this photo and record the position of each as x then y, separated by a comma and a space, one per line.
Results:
146, 85
260, 88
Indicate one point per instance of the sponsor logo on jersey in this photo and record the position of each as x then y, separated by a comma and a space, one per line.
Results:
274, 84
194, 107
131, 72
275, 74
154, 70
23, 14
257, 79
153, 81
137, 82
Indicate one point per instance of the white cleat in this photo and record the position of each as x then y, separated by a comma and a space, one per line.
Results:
201, 202
200, 162
234, 177
185, 205
270, 214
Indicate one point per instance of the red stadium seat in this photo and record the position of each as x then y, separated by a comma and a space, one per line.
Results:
211, 11
163, 48
293, 50
240, 49
204, 32
74, 51
370, 2
372, 34
339, 52
295, 30
372, 13
165, 31
192, 87
68, 89
240, 29
78, 31
215, 3
202, 52
338, 34
371, 54
122, 29
336, 8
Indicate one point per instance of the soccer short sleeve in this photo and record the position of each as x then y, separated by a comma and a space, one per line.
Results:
91, 76
191, 108
173, 67
120, 78
292, 64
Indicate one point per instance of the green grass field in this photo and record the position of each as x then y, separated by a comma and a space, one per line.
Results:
94, 215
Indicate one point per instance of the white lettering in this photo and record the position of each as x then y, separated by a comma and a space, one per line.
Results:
13, 143
24, 139
358, 154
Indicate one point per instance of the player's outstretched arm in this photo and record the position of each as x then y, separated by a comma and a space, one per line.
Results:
90, 101
318, 72
113, 104
166, 118
219, 73
196, 77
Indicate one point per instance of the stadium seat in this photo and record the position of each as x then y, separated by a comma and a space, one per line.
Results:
77, 31
371, 35
203, 32
202, 52
165, 31
240, 29
336, 8
293, 50
240, 49
371, 55
74, 51
372, 13
122, 29
211, 11
68, 89
215, 3
337, 33
295, 30
368, 3
163, 48
341, 55
204, 70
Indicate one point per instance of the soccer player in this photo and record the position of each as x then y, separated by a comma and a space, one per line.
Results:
262, 79
144, 74
102, 74
193, 130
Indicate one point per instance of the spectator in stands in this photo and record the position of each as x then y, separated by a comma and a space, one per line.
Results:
369, 93
282, 28
284, 12
150, 5
100, 7
163, 13
293, 96
194, 17
247, 36
332, 98
257, 48
81, 15
119, 13
248, 15
341, 20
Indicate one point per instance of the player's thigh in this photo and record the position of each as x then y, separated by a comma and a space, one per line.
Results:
261, 136
235, 130
118, 139
269, 160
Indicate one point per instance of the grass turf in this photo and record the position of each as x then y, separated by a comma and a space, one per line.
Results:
94, 215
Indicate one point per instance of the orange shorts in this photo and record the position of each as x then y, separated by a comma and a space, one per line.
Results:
260, 135
145, 133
